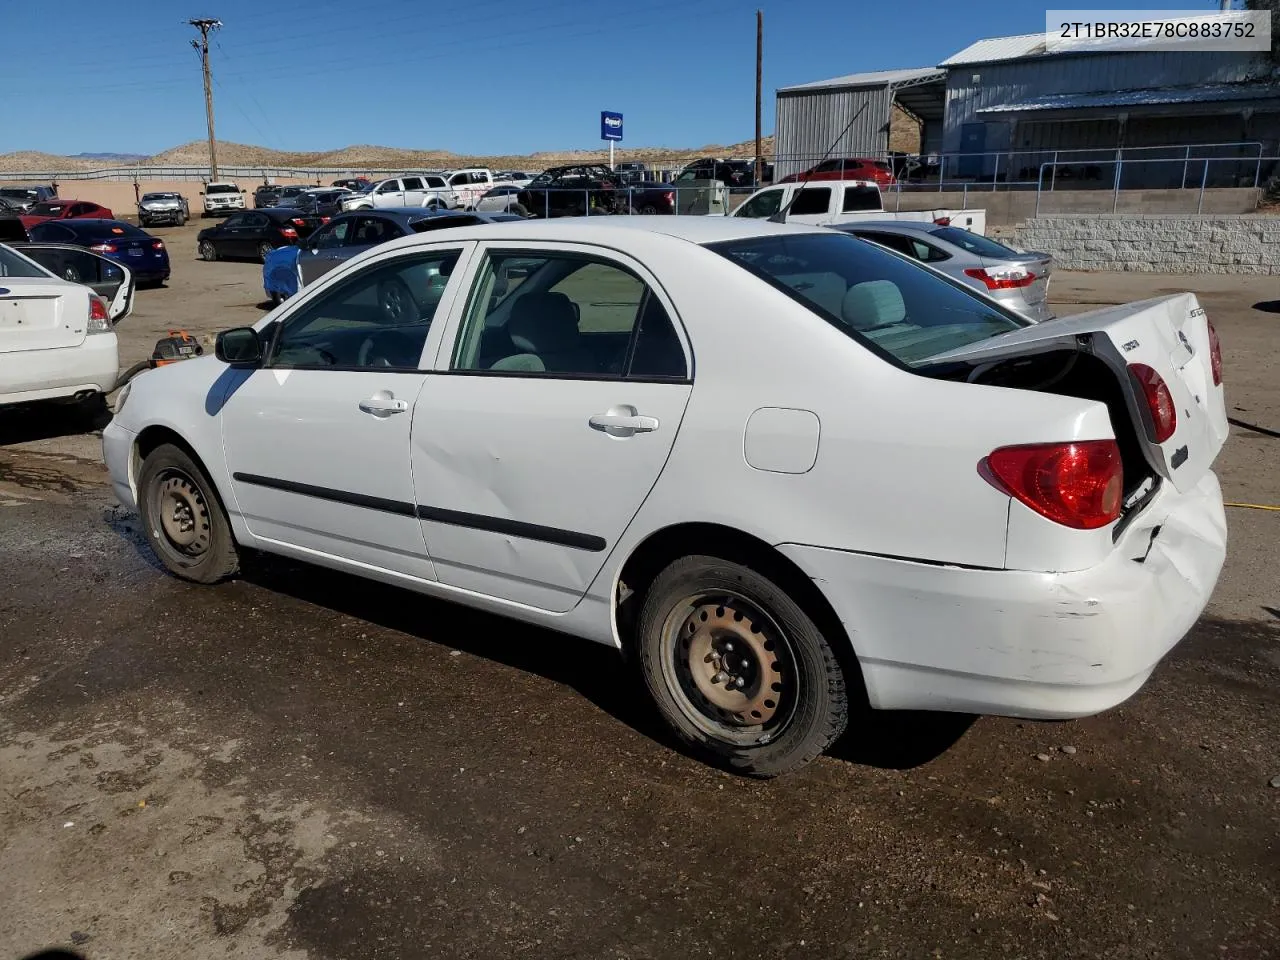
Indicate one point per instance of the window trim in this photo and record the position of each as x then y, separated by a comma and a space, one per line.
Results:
445, 358
275, 328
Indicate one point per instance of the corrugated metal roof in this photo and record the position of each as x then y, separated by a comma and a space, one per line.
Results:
875, 79
1152, 96
998, 48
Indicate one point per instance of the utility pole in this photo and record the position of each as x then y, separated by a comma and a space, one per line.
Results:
759, 81
202, 47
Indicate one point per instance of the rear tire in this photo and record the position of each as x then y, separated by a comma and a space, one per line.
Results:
264, 251
739, 671
208, 251
184, 519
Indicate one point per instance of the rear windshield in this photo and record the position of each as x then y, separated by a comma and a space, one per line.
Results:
903, 310
106, 228
974, 243
12, 265
222, 188
17, 193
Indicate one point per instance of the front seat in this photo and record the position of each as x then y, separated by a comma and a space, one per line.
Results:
546, 326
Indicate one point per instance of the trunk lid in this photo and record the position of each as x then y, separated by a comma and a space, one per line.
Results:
1168, 334
41, 315
1039, 264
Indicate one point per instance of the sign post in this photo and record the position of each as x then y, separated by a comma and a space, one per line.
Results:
611, 130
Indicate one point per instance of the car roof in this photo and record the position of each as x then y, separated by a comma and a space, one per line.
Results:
889, 226
610, 230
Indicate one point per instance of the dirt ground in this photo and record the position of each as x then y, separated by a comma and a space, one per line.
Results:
300, 764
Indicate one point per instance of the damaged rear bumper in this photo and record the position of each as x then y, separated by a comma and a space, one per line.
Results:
1028, 644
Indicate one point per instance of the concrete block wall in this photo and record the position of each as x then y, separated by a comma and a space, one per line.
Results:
1157, 244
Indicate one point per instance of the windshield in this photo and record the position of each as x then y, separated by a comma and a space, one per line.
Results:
14, 265
222, 188
47, 209
159, 196
17, 193
974, 243
901, 309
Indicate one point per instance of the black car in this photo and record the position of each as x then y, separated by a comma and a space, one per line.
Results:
251, 234
732, 173
574, 190
267, 195
320, 205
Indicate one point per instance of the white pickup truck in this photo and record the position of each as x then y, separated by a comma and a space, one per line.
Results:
470, 184
845, 201
411, 190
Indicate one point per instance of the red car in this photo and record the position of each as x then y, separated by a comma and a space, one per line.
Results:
846, 168
64, 210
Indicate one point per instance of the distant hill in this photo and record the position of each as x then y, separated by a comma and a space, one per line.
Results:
111, 157
359, 157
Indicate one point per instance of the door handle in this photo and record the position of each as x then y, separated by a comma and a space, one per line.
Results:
623, 421
382, 404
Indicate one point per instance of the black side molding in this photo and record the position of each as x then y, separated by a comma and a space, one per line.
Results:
456, 518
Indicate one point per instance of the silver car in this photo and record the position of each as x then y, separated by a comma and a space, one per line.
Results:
163, 207
1019, 281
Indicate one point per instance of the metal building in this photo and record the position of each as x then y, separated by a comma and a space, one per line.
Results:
811, 116
1013, 107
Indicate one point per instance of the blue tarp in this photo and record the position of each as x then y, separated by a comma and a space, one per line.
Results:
280, 271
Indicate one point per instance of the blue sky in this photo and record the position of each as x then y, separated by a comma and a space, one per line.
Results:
494, 77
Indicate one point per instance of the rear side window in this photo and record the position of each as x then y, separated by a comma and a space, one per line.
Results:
904, 313
413, 183
811, 200
974, 243
858, 199
12, 265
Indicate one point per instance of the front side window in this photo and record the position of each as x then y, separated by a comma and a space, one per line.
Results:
902, 311
377, 319
334, 235
762, 205
391, 186
566, 315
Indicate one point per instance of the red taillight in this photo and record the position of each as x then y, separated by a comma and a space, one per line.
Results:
299, 221
1077, 484
1001, 281
942, 221
324, 219
1215, 356
670, 197
289, 233
157, 244
97, 308
103, 248
1164, 416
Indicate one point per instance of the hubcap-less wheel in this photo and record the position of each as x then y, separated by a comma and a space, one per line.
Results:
732, 665
264, 250
207, 251
183, 513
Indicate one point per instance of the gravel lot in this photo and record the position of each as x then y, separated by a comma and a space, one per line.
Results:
298, 764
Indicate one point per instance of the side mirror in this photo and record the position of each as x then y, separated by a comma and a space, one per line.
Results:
239, 346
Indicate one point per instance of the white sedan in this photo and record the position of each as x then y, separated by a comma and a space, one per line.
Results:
56, 338
790, 472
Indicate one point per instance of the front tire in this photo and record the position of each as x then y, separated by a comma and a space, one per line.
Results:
208, 251
183, 517
264, 251
739, 671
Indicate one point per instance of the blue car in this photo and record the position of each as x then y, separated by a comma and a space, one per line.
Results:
280, 273
138, 250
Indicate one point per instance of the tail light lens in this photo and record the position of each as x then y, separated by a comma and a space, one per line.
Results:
670, 197
324, 219
944, 222
1164, 416
98, 322
1006, 280
1215, 356
1078, 485
289, 233
157, 244
104, 248
298, 221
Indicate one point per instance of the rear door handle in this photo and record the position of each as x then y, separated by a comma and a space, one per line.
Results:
623, 421
382, 404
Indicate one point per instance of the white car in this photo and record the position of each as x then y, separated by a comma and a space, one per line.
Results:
56, 340
783, 468
426, 190
222, 198
503, 198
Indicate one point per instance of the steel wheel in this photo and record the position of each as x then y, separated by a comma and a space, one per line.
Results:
731, 667
179, 504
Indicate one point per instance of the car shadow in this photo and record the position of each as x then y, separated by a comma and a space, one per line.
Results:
889, 740
1268, 306
45, 420
594, 671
